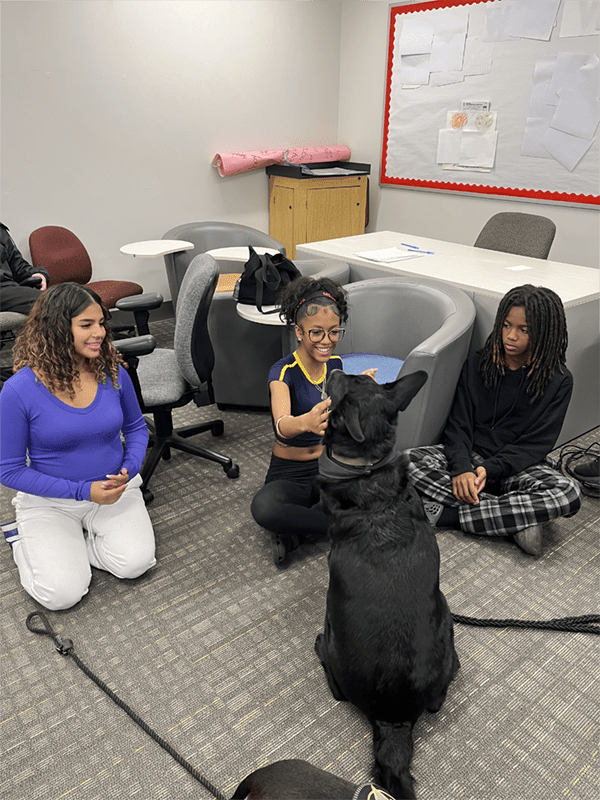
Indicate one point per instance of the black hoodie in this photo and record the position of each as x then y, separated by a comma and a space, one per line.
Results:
500, 424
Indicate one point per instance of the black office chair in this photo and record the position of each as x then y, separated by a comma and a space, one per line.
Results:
168, 379
521, 234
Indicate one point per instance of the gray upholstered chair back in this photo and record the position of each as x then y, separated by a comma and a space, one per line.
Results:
522, 234
11, 322
208, 236
192, 345
426, 323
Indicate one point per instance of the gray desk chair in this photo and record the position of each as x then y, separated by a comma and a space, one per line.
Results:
513, 232
208, 236
11, 323
426, 323
169, 379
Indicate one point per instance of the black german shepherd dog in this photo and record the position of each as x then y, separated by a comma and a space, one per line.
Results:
388, 644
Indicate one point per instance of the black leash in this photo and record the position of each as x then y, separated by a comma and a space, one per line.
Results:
585, 624
65, 648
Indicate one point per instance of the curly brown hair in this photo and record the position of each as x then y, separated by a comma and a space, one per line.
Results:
45, 343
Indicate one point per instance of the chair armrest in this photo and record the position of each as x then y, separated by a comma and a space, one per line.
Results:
138, 302
136, 346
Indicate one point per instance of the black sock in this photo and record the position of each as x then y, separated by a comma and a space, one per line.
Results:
448, 518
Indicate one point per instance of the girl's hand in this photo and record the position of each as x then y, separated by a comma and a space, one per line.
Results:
114, 481
370, 372
105, 497
316, 419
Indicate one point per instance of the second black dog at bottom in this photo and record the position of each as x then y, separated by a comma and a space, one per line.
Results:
388, 643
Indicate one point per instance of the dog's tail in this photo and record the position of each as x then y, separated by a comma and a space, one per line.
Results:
392, 748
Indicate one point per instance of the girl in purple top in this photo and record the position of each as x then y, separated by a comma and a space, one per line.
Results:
63, 416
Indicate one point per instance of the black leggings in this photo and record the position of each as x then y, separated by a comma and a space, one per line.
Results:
286, 503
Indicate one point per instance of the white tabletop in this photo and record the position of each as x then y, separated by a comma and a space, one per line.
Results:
254, 315
486, 271
240, 253
155, 247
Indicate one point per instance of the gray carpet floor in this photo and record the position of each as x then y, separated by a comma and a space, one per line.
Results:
214, 649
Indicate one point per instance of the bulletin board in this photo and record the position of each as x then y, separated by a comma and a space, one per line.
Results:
495, 98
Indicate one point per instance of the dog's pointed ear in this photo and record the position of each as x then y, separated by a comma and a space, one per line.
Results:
352, 420
406, 388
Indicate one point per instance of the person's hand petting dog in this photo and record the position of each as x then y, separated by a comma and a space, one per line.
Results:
316, 419
469, 485
370, 372
107, 492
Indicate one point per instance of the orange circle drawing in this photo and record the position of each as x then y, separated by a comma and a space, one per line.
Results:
459, 120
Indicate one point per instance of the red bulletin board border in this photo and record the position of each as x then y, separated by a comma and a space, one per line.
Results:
475, 188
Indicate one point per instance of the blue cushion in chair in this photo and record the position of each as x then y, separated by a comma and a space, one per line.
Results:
387, 366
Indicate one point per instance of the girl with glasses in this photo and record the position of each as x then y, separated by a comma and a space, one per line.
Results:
288, 503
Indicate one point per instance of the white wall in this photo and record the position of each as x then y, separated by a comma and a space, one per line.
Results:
451, 217
114, 109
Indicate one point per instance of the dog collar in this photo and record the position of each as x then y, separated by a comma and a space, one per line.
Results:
370, 791
336, 467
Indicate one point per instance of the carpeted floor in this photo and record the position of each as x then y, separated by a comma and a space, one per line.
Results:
214, 649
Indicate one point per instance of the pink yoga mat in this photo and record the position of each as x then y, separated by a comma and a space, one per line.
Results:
232, 163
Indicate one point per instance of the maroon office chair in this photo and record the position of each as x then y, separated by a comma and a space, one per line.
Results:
61, 253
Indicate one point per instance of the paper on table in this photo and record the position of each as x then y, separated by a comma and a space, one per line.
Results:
389, 254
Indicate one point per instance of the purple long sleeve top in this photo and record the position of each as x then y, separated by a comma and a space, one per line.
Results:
68, 448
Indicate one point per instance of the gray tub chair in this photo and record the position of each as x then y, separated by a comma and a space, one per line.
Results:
244, 351
426, 323
208, 236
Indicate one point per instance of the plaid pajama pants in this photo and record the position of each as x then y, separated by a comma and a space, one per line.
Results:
534, 496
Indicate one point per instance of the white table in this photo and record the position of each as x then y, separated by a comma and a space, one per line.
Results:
231, 259
155, 247
486, 276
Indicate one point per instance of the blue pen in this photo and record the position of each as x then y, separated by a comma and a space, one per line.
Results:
414, 247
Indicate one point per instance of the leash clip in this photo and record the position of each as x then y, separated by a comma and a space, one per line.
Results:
64, 646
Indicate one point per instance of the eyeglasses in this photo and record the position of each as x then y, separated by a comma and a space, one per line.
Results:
317, 335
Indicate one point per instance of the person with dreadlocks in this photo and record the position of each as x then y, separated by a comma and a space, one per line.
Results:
492, 475
288, 503
63, 413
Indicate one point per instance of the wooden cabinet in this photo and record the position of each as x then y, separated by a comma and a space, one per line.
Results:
305, 210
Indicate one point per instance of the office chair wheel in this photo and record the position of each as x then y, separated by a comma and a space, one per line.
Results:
147, 495
233, 471
218, 428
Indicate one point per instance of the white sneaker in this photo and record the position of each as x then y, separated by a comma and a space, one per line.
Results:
530, 540
433, 511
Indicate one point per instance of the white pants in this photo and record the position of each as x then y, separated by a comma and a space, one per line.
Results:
59, 539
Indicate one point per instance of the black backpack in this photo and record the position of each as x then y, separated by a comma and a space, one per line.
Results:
263, 278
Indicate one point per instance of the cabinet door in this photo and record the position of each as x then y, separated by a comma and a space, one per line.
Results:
333, 212
281, 216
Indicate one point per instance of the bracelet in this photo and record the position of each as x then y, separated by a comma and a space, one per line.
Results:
279, 433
